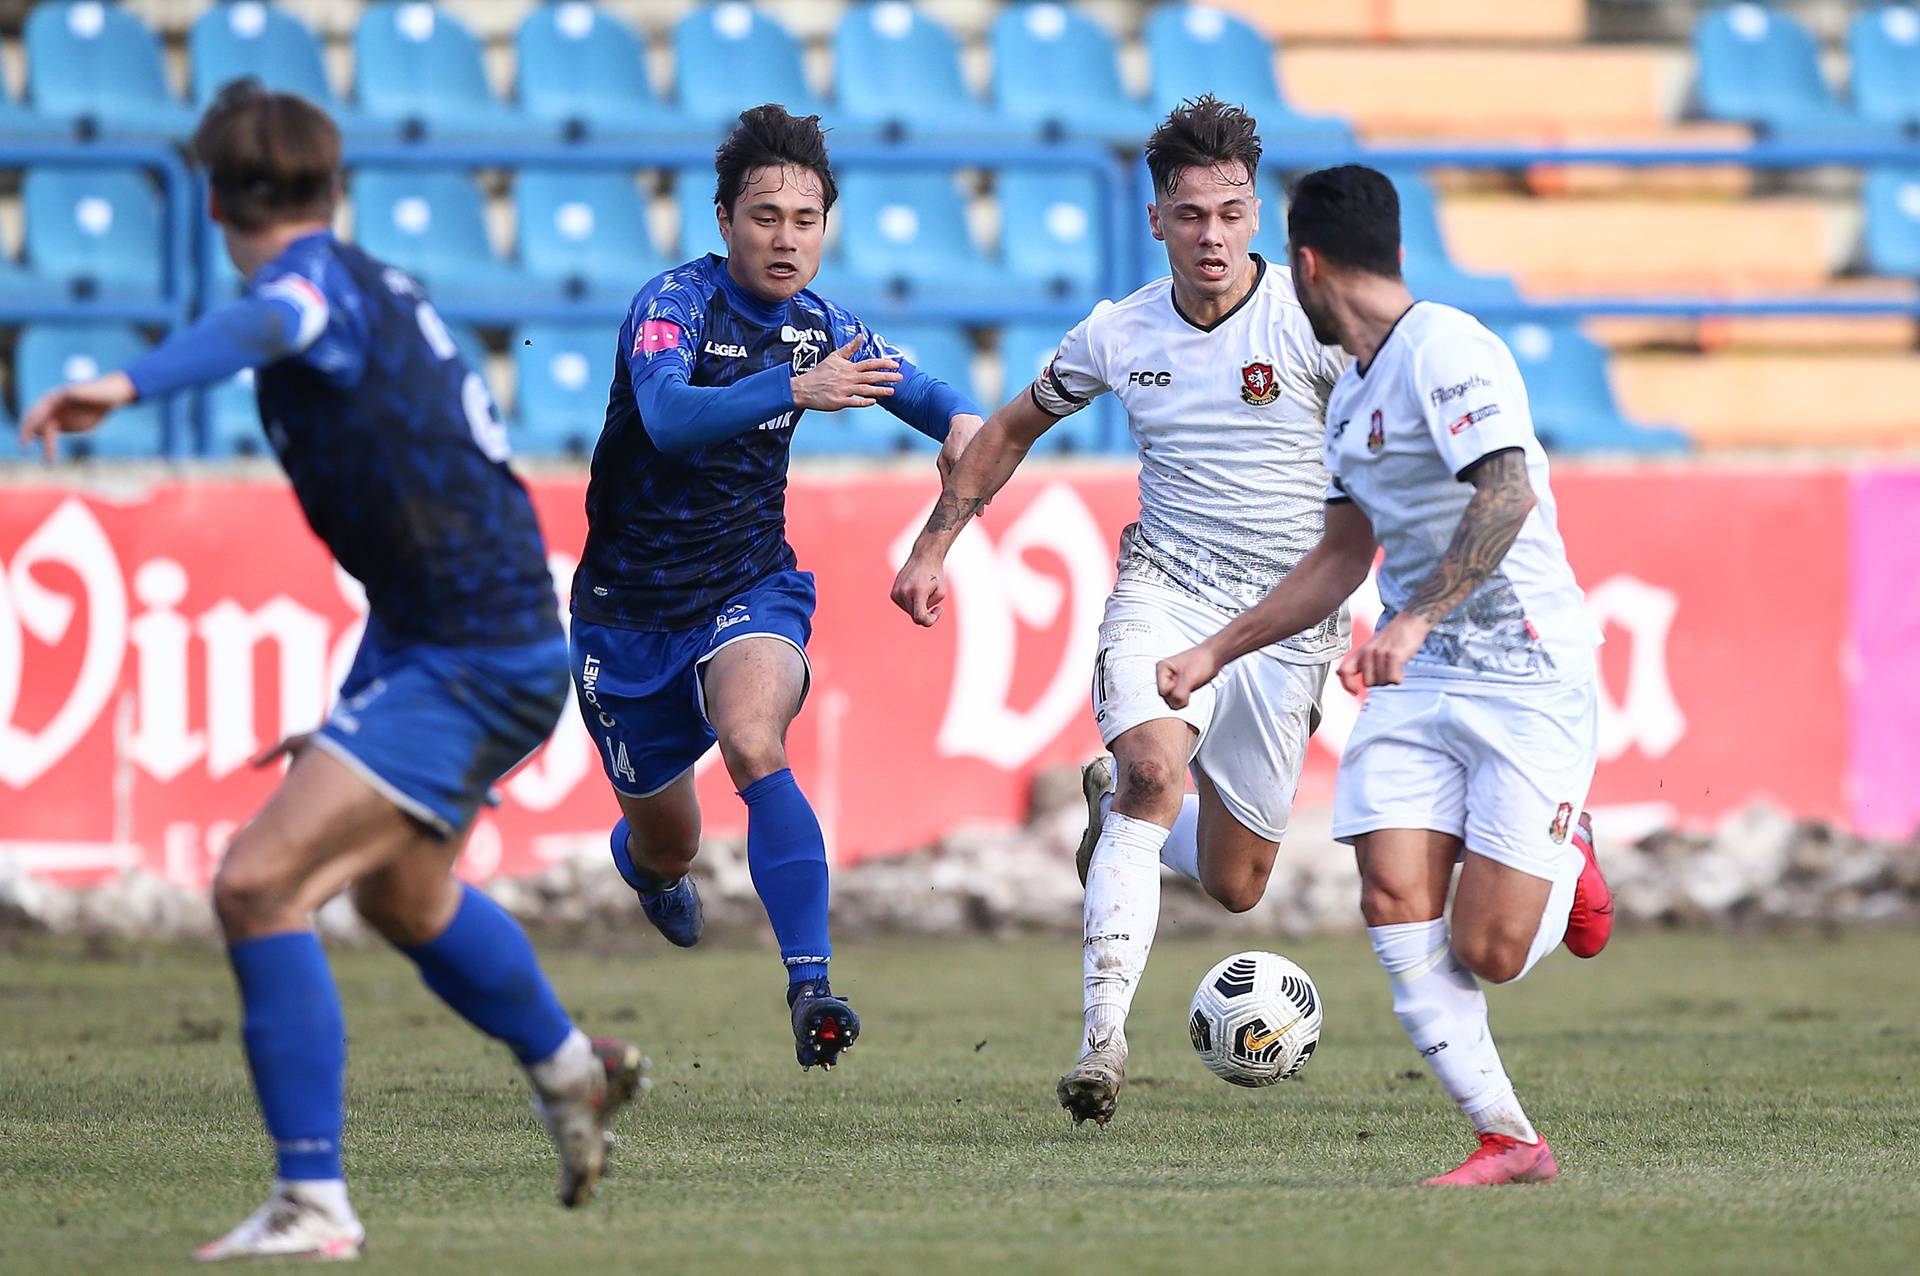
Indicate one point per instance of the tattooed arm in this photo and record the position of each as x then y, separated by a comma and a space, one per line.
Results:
982, 470
1502, 499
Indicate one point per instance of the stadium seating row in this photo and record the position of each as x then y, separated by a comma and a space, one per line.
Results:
581, 74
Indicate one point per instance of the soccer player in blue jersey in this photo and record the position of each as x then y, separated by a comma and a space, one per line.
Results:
400, 465
690, 619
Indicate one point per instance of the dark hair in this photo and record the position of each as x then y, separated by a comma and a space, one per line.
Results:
1351, 216
1202, 132
271, 158
769, 137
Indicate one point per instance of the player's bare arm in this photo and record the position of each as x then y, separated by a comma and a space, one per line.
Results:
1324, 579
982, 470
961, 431
1502, 499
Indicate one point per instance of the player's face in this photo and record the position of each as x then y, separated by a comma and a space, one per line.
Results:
1310, 288
1208, 221
775, 231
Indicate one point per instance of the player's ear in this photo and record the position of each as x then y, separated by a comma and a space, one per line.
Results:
1153, 221
725, 221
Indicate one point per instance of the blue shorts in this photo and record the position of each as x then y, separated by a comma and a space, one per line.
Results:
431, 728
640, 692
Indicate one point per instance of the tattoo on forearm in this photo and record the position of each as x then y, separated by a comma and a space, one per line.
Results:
1501, 501
951, 512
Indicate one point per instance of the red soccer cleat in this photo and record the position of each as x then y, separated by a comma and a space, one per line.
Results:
1500, 1158
1590, 921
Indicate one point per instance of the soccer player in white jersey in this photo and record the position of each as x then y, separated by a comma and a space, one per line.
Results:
1224, 384
1477, 741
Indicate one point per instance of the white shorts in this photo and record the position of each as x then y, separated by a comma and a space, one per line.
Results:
1253, 720
1507, 773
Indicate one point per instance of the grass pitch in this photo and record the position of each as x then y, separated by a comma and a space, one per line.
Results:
1733, 1104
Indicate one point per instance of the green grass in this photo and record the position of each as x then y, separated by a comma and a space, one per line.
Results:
1733, 1104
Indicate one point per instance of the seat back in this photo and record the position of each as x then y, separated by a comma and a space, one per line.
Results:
576, 61
902, 224
1892, 198
95, 227
894, 63
1194, 49
1054, 226
1025, 349
248, 38
82, 53
693, 197
584, 225
415, 59
52, 354
1046, 55
426, 221
1758, 64
1884, 45
730, 56
562, 371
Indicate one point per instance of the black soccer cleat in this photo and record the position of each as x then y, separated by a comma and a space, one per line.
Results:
824, 1025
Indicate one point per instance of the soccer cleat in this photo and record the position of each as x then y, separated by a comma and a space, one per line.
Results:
1501, 1158
1590, 921
824, 1025
675, 910
1096, 781
577, 1117
1091, 1091
288, 1226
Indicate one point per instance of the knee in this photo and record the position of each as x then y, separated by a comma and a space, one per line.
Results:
752, 751
250, 897
403, 922
1240, 891
663, 852
1496, 958
1389, 904
1148, 789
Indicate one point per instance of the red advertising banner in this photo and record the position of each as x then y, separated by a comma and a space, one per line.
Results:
154, 637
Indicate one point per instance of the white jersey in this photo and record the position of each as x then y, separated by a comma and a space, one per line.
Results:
1442, 394
1228, 420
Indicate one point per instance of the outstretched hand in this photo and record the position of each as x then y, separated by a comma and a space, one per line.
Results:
838, 381
73, 409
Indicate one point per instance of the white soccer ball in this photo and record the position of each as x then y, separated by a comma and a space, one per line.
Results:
1255, 1019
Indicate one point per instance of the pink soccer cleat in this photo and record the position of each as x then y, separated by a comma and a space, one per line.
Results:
1590, 922
1500, 1158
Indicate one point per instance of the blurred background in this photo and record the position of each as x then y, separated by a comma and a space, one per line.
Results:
1697, 226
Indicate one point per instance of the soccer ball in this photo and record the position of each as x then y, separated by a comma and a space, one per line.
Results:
1255, 1019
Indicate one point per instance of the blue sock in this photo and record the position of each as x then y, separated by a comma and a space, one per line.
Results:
788, 860
483, 967
296, 1043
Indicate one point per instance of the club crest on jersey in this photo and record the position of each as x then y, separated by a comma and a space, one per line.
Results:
1562, 818
805, 355
1376, 431
1258, 384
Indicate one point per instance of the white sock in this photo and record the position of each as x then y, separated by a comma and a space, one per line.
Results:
1122, 913
329, 1196
1439, 1003
1182, 850
567, 1068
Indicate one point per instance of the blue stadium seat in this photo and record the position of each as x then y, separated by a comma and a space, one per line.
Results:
562, 371
96, 233
1054, 225
99, 66
249, 38
1429, 267
1892, 198
1571, 397
1025, 349
1884, 46
20, 123
1059, 70
699, 232
586, 231
53, 354
903, 235
1195, 50
430, 222
585, 71
897, 70
1759, 66
232, 419
419, 66
730, 56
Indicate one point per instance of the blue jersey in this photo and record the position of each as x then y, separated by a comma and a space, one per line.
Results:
682, 518
397, 455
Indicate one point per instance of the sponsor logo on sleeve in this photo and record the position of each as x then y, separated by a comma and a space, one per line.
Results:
1448, 393
1259, 385
655, 335
1472, 418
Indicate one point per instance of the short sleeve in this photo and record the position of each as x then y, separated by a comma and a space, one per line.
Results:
1333, 364
1336, 490
1473, 399
1075, 376
663, 328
